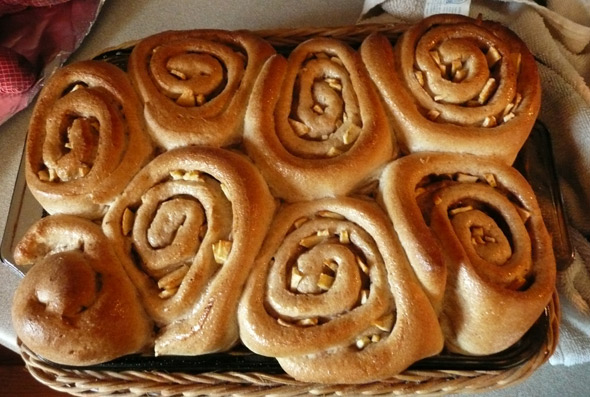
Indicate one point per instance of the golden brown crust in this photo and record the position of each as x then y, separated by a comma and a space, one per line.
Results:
333, 297
475, 236
200, 214
70, 306
335, 289
433, 82
86, 139
315, 126
196, 84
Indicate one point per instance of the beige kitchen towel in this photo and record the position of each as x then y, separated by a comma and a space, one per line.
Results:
558, 34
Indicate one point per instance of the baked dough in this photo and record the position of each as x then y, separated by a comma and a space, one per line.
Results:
188, 227
71, 304
86, 139
457, 84
315, 126
333, 298
370, 263
196, 84
474, 234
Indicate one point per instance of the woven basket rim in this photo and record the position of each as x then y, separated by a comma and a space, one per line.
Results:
82, 382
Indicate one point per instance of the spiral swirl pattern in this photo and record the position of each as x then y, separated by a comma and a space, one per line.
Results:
188, 228
195, 84
71, 302
315, 126
475, 237
456, 84
85, 140
331, 273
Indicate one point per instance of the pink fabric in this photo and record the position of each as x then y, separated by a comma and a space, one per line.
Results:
16, 72
33, 3
9, 8
45, 37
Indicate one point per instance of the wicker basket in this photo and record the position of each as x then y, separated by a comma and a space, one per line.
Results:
83, 382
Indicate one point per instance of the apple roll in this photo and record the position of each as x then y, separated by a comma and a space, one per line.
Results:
196, 84
188, 228
86, 139
474, 234
333, 298
456, 84
71, 304
315, 126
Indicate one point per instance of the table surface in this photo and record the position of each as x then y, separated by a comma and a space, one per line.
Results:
121, 21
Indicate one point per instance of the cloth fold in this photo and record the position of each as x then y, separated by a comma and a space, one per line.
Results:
558, 34
573, 285
36, 37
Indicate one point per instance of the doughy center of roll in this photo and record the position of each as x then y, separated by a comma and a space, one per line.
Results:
465, 75
197, 72
175, 219
84, 133
202, 73
323, 116
489, 227
172, 219
481, 232
322, 269
71, 285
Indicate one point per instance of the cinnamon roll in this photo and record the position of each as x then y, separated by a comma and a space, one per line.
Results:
71, 303
188, 228
86, 139
315, 126
196, 84
333, 297
474, 234
456, 84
